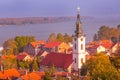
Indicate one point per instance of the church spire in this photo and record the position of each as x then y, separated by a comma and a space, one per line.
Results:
78, 24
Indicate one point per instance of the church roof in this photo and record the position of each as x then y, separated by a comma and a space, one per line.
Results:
58, 60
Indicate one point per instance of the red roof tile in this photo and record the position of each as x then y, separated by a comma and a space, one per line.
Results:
35, 44
52, 44
21, 56
58, 60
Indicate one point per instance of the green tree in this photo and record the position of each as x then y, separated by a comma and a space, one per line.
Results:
67, 38
95, 37
104, 32
47, 75
9, 63
100, 68
35, 66
60, 37
10, 47
22, 41
52, 37
24, 64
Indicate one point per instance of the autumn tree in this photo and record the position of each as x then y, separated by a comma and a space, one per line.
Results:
106, 32
52, 37
60, 37
22, 41
9, 63
100, 68
10, 47
35, 66
67, 38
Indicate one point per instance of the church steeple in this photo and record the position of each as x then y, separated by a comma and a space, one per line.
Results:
78, 31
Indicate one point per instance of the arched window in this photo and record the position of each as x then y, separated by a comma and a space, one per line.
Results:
75, 46
75, 60
81, 46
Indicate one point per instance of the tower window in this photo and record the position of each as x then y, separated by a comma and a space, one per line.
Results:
75, 46
75, 60
75, 39
81, 39
81, 46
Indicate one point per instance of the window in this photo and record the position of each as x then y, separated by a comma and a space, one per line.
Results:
74, 39
75, 60
81, 46
75, 46
81, 39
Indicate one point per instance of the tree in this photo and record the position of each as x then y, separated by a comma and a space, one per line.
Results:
35, 66
95, 37
67, 38
100, 68
52, 37
10, 47
22, 41
47, 75
9, 63
60, 37
104, 33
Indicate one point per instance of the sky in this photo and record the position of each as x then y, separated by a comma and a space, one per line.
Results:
36, 8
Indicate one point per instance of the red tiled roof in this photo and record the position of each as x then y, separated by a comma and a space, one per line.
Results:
52, 44
106, 43
21, 56
58, 60
35, 44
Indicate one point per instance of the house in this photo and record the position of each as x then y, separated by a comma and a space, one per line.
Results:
60, 47
100, 46
34, 47
24, 57
60, 61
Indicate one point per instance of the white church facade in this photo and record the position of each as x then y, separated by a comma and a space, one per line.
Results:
79, 52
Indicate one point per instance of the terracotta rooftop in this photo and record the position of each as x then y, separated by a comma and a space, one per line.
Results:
58, 60
52, 44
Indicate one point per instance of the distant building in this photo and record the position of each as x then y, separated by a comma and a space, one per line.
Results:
34, 47
56, 46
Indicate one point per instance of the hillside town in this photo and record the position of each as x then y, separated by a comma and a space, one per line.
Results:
55, 60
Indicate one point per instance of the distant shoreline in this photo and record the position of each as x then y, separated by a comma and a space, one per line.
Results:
35, 20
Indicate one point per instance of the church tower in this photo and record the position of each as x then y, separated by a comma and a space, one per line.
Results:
79, 56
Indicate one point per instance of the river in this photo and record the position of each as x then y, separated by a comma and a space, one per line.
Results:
42, 31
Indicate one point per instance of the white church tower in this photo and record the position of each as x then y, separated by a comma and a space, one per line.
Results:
79, 56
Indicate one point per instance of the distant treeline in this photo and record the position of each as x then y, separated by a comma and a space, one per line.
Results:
34, 20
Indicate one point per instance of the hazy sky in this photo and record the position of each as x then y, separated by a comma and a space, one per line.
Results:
31, 8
